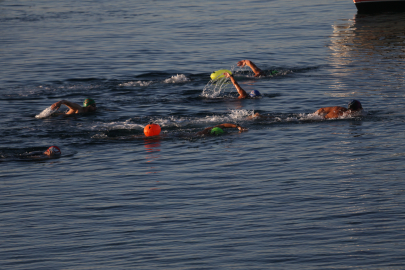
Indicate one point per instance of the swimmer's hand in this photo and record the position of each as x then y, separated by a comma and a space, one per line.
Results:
242, 129
56, 105
258, 72
226, 74
242, 63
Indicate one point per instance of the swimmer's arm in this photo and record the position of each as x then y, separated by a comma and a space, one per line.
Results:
206, 131
331, 112
228, 125
335, 112
253, 67
320, 112
242, 93
74, 107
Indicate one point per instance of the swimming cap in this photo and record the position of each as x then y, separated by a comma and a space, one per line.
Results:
88, 102
355, 105
216, 131
54, 150
255, 93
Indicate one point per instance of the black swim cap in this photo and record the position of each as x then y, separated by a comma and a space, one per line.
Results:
355, 105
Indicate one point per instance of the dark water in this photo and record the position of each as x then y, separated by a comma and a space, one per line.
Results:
293, 192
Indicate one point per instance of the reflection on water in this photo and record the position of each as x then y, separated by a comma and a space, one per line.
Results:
370, 35
368, 47
152, 146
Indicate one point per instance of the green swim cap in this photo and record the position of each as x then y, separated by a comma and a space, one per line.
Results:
216, 131
88, 102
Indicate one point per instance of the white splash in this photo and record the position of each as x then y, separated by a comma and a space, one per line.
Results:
240, 114
177, 79
182, 122
99, 136
317, 117
138, 83
304, 116
214, 89
116, 125
45, 113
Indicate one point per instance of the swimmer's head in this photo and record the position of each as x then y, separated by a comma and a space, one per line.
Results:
255, 93
216, 131
89, 102
53, 151
355, 105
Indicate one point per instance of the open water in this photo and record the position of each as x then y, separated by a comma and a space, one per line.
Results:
293, 192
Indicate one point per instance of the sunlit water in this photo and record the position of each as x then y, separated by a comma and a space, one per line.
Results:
292, 192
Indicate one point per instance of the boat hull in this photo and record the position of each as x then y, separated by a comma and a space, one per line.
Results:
376, 6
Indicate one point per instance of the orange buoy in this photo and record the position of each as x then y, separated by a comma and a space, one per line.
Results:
151, 130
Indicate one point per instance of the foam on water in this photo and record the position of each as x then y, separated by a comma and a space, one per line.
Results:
137, 83
177, 79
353, 115
46, 113
316, 117
240, 114
116, 125
181, 122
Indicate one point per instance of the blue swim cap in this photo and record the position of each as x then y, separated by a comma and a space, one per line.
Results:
255, 93
355, 105
216, 131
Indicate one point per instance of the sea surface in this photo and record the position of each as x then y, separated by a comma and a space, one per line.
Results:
294, 191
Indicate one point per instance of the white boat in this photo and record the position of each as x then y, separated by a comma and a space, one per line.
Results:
372, 6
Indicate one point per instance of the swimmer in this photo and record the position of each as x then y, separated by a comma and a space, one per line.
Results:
337, 111
242, 93
89, 105
217, 130
52, 151
258, 72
